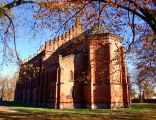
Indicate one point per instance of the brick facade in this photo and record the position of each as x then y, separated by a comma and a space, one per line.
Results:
77, 70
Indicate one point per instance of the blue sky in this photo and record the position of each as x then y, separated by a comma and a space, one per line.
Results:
27, 43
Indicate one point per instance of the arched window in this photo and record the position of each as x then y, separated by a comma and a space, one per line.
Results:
72, 92
71, 75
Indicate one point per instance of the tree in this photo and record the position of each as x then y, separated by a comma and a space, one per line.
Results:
143, 9
133, 93
4, 86
7, 88
145, 84
92, 11
2, 90
148, 90
134, 19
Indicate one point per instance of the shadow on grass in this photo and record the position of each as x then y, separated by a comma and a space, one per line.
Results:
137, 111
110, 116
13, 104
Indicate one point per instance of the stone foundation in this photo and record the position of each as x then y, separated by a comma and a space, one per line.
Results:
115, 105
66, 105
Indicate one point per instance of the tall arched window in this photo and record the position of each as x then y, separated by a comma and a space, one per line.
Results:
71, 75
72, 92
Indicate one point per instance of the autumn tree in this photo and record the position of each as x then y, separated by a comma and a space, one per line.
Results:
2, 90
133, 93
134, 20
7, 88
148, 90
145, 83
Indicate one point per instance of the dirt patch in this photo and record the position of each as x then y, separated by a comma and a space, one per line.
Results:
7, 110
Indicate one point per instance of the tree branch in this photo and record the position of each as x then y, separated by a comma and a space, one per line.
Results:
17, 3
14, 37
72, 17
146, 16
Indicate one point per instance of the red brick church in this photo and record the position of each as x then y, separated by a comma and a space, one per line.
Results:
79, 69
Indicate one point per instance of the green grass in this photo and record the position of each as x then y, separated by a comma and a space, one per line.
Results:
139, 111
139, 107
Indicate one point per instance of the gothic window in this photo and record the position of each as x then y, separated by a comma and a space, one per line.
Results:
34, 94
71, 75
72, 92
55, 76
47, 76
52, 92
86, 60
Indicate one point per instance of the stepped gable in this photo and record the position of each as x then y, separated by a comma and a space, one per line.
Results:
79, 42
71, 38
52, 45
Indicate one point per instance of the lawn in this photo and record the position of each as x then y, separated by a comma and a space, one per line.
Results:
139, 111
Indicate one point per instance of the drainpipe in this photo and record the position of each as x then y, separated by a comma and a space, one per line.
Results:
57, 90
92, 64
